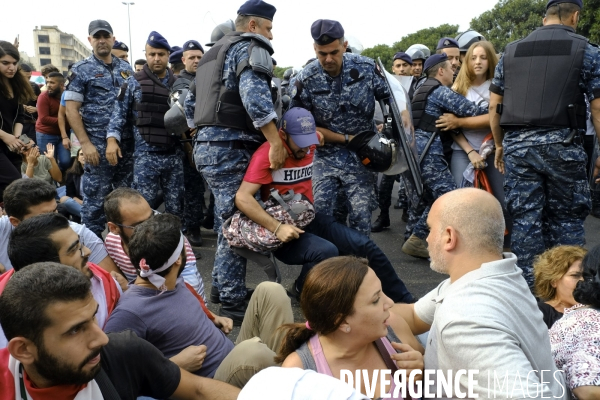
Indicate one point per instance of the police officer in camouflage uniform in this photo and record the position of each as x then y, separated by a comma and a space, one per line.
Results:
433, 98
158, 155
234, 113
537, 131
193, 198
120, 50
91, 88
340, 89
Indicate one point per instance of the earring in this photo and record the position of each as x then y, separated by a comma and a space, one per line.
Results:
347, 329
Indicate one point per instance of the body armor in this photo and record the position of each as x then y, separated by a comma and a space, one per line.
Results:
421, 120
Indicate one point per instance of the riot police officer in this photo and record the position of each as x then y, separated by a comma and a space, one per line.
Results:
120, 50
340, 89
158, 155
91, 88
234, 113
431, 100
536, 125
449, 47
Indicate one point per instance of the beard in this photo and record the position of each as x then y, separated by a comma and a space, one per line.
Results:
55, 94
60, 373
437, 264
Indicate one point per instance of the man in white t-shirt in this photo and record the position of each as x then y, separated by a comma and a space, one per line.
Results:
483, 317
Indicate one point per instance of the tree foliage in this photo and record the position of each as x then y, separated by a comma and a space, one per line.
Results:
589, 24
278, 71
510, 20
429, 37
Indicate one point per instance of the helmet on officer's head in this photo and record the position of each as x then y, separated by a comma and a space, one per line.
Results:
418, 55
288, 75
467, 38
354, 45
221, 30
376, 151
418, 47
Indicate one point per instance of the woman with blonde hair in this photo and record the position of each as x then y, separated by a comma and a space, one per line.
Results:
556, 273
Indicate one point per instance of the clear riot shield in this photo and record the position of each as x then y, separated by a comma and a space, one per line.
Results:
398, 126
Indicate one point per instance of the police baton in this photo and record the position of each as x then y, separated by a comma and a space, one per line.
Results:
427, 146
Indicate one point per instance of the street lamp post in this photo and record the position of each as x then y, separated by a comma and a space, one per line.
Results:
129, 3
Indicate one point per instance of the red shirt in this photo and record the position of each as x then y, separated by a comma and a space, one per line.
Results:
47, 121
295, 175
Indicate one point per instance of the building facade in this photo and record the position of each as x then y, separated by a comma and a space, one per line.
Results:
52, 46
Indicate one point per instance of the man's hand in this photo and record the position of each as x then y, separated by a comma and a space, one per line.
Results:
277, 155
2, 269
91, 153
120, 280
499, 162
66, 143
286, 233
447, 122
321, 138
49, 150
32, 155
223, 323
408, 358
113, 151
191, 358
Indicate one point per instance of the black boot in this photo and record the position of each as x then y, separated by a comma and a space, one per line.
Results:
382, 222
235, 311
194, 237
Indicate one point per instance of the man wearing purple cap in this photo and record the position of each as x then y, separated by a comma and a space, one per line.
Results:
323, 237
234, 115
402, 64
537, 114
449, 47
340, 89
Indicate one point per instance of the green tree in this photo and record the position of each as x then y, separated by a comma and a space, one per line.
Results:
510, 20
429, 37
278, 71
589, 24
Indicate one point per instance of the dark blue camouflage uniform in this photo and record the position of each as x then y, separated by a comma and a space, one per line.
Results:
545, 183
224, 168
436, 176
95, 85
345, 105
154, 165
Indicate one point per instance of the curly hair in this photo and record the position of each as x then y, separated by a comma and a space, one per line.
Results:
552, 265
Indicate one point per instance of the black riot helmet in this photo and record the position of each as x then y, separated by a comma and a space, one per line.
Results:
288, 75
221, 30
375, 150
467, 38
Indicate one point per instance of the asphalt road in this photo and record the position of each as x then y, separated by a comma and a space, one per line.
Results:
415, 273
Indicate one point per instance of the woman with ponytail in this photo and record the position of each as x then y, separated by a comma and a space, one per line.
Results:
349, 325
575, 338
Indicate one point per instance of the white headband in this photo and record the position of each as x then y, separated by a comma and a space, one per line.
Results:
157, 280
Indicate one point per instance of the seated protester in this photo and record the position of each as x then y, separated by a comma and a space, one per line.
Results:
355, 331
556, 272
73, 199
26, 198
48, 237
575, 338
41, 166
126, 208
323, 238
483, 317
56, 349
160, 309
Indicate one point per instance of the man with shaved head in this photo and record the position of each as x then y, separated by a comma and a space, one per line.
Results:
483, 317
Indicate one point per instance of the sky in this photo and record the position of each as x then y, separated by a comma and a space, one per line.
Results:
372, 22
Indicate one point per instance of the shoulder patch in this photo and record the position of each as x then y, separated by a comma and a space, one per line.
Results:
125, 74
297, 89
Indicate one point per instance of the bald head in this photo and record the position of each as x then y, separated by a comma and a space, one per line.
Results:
477, 217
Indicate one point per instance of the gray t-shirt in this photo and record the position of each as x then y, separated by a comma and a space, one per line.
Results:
41, 170
171, 321
89, 238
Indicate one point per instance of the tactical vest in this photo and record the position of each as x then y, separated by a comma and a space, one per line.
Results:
152, 108
541, 80
215, 105
421, 120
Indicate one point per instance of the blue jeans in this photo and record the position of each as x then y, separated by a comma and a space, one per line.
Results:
62, 155
325, 238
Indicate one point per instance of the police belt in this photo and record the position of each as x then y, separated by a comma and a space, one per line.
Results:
232, 144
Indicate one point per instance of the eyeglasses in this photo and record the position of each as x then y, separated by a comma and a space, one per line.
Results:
154, 212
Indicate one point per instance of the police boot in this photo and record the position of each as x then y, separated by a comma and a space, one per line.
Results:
235, 311
194, 237
405, 214
416, 247
215, 299
382, 222
595, 204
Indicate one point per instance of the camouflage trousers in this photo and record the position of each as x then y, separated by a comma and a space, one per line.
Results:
548, 196
355, 181
224, 170
153, 170
193, 198
437, 180
100, 180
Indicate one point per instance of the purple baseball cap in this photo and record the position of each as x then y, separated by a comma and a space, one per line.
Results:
299, 124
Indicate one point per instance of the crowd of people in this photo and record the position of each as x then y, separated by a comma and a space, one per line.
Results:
100, 294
